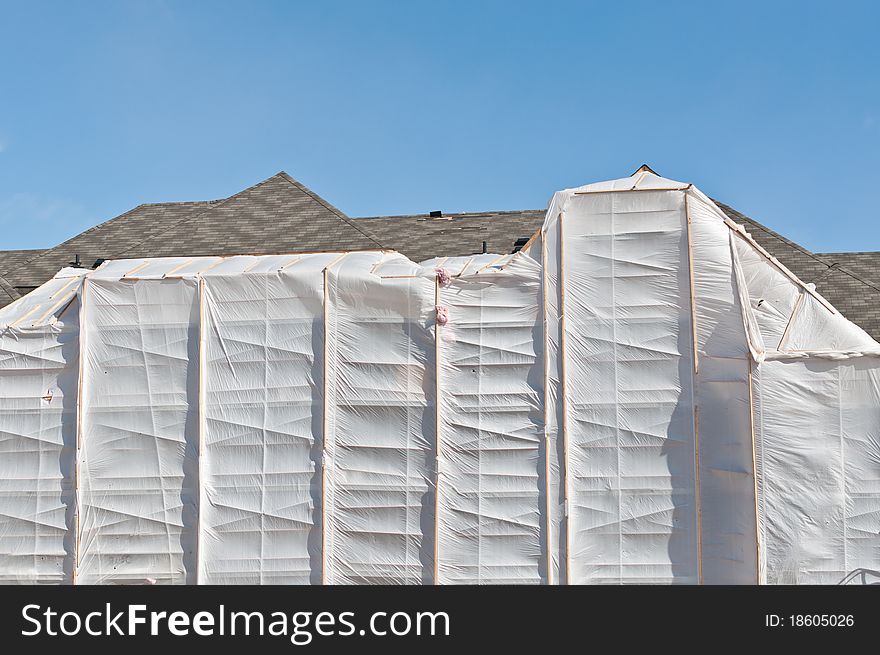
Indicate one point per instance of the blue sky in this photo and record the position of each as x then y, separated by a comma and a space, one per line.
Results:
405, 107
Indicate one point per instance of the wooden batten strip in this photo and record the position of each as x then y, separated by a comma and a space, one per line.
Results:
564, 397
794, 312
326, 408
588, 193
696, 410
758, 544
203, 368
437, 421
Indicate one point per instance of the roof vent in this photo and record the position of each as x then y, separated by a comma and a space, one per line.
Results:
519, 243
76, 263
436, 214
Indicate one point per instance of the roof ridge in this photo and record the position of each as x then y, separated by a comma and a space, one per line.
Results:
180, 202
281, 175
302, 187
201, 213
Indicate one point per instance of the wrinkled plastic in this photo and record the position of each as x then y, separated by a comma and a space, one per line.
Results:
641, 395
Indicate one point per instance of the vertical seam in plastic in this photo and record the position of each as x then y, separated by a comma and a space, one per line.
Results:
763, 497
547, 488
694, 407
437, 433
326, 409
325, 421
758, 544
480, 437
616, 365
80, 409
202, 429
842, 461
564, 394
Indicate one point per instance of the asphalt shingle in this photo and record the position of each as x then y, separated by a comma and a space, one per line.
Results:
107, 240
422, 237
866, 265
8, 293
280, 215
13, 259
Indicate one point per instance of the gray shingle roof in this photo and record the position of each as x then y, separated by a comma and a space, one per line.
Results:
12, 259
107, 240
7, 293
806, 265
280, 215
421, 237
864, 264
849, 281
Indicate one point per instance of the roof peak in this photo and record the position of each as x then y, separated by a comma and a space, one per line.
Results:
644, 168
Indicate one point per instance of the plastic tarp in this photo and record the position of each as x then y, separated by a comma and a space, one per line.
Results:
493, 459
39, 376
139, 463
628, 388
262, 374
381, 434
722, 374
818, 443
641, 395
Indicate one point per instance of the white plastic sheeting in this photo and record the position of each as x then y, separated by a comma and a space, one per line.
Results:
380, 429
642, 395
262, 373
38, 381
628, 388
818, 442
139, 461
722, 370
493, 459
